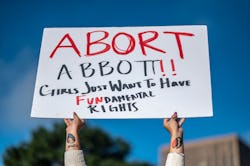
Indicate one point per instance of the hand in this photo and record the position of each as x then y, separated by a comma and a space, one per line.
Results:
174, 125
74, 125
72, 129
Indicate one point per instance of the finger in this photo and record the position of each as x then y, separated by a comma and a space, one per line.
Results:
181, 121
165, 122
67, 121
80, 122
174, 116
76, 117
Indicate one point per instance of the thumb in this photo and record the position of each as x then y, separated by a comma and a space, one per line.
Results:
76, 117
181, 121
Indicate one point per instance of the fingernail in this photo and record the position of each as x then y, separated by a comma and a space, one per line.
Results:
74, 113
175, 113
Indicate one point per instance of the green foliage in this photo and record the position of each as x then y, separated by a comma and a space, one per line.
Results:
46, 148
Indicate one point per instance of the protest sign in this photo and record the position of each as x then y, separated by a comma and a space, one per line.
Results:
123, 72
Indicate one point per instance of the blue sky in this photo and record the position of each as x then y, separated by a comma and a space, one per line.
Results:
22, 23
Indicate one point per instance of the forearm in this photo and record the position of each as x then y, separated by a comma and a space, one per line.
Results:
74, 158
175, 159
176, 151
72, 141
176, 144
176, 148
73, 155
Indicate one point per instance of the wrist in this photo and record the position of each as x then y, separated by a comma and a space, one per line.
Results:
177, 144
72, 130
176, 134
73, 147
72, 141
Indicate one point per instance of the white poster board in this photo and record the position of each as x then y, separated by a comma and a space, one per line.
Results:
123, 72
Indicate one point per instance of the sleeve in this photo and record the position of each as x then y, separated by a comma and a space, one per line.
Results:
74, 158
175, 159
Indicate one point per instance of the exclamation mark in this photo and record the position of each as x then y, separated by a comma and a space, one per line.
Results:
162, 68
173, 67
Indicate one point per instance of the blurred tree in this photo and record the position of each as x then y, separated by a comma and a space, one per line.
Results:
46, 148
